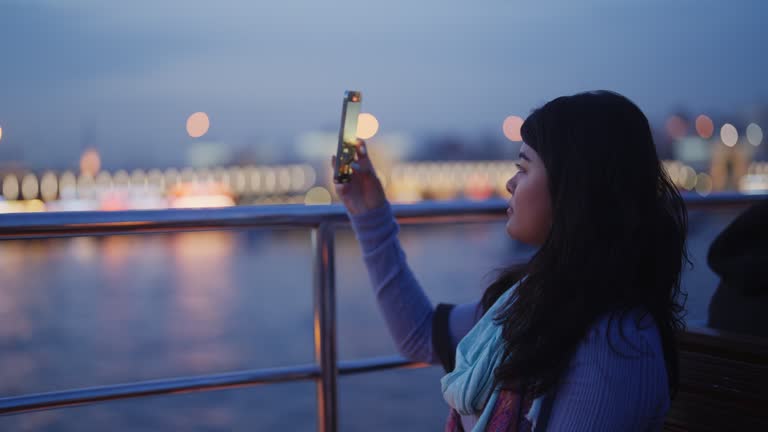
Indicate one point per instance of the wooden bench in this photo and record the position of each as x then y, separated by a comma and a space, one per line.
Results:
723, 383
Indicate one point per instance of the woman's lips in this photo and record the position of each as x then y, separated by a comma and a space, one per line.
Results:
509, 211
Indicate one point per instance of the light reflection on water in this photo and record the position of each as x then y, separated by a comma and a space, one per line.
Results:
100, 310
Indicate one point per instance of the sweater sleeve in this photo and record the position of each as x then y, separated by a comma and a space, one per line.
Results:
407, 310
615, 382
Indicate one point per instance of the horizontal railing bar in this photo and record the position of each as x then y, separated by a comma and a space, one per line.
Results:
374, 364
91, 395
721, 200
65, 398
65, 224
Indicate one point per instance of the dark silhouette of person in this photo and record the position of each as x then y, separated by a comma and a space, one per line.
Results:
739, 255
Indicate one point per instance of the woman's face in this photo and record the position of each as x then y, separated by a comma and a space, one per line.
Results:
530, 210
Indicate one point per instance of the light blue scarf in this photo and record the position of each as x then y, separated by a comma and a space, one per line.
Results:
468, 389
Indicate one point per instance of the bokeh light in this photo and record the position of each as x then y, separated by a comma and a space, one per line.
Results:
90, 162
677, 127
138, 178
155, 179
10, 187
298, 178
172, 177
310, 174
188, 175
198, 124
704, 126
687, 178
283, 180
86, 185
49, 186
34, 206
121, 178
729, 135
754, 134
270, 180
318, 195
221, 176
254, 179
1, 133
239, 180
703, 184
204, 175
367, 126
511, 127
29, 187
67, 185
478, 186
103, 180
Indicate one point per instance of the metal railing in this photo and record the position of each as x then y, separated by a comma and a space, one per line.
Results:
323, 221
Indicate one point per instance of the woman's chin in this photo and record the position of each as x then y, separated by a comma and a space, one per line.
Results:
515, 233
510, 228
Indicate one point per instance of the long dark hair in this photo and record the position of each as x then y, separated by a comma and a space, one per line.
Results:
617, 239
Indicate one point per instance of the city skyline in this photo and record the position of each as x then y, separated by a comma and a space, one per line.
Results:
124, 78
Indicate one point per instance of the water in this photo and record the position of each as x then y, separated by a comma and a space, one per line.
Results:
102, 310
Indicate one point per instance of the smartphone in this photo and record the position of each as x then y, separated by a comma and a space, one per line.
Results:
345, 152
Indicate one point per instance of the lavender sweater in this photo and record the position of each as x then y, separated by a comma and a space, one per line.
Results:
614, 383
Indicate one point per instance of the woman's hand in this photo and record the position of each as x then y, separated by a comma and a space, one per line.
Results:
364, 191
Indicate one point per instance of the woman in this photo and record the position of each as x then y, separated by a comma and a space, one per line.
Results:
582, 336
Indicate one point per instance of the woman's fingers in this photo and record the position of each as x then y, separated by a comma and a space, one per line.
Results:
361, 148
357, 166
363, 161
361, 151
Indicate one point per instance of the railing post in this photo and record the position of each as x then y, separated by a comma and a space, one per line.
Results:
325, 327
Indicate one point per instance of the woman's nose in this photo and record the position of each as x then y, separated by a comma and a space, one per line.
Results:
511, 184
